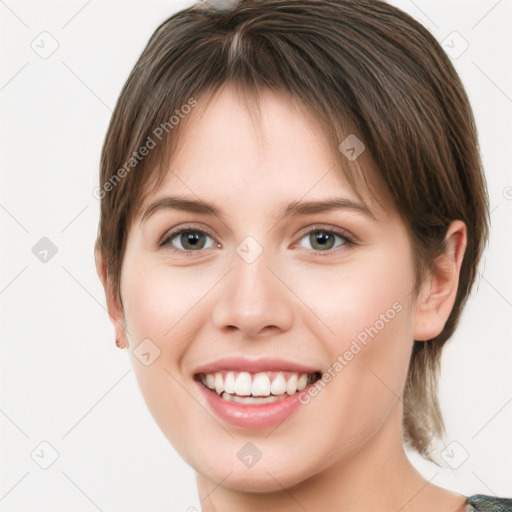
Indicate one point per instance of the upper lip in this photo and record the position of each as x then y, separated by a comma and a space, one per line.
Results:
247, 364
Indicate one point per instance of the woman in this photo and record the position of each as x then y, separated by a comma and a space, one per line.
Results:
292, 213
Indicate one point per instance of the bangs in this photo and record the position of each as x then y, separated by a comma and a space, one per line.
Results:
165, 140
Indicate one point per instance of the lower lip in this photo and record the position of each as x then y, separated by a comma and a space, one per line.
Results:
255, 416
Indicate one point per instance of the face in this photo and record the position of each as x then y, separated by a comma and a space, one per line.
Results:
250, 301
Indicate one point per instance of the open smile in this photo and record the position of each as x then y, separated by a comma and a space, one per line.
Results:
256, 388
254, 394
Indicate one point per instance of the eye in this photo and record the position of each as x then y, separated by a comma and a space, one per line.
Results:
324, 240
188, 239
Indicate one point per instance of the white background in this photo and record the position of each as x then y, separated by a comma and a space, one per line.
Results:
63, 380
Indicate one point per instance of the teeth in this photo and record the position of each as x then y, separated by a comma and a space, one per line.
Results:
243, 384
262, 387
250, 399
229, 382
219, 383
278, 385
302, 382
291, 385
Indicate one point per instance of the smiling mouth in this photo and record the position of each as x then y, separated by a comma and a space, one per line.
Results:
256, 388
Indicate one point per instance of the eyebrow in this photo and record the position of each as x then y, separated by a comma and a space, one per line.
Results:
294, 208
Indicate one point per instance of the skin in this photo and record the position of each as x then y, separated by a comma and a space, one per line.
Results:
343, 450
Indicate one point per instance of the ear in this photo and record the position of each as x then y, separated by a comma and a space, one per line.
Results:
439, 290
115, 310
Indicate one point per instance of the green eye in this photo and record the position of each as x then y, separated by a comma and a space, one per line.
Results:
324, 240
188, 239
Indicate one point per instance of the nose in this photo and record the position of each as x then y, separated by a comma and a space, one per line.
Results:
254, 300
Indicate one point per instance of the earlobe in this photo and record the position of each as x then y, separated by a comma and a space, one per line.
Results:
439, 290
113, 307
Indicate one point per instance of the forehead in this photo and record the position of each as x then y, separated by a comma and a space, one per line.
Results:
258, 153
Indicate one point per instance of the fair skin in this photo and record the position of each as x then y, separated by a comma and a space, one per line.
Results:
296, 301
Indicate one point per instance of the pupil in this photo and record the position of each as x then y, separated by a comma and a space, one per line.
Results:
322, 238
191, 239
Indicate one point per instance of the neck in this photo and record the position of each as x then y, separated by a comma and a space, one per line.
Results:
377, 476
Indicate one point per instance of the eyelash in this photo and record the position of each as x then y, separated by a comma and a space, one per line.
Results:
166, 242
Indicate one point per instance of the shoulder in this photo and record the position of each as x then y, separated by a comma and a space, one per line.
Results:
485, 503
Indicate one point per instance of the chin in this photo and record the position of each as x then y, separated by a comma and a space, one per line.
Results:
263, 480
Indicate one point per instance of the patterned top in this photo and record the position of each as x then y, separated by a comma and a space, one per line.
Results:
485, 503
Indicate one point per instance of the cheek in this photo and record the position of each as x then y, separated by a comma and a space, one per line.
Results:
163, 316
163, 305
160, 304
352, 297
367, 305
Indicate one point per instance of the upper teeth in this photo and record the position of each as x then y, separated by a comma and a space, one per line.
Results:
259, 384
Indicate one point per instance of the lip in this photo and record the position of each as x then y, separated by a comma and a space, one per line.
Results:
254, 365
254, 416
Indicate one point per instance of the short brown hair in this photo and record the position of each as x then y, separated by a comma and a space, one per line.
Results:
358, 63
